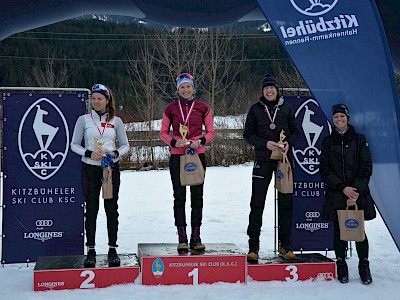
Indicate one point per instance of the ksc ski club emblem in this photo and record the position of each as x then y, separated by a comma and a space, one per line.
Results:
307, 152
43, 138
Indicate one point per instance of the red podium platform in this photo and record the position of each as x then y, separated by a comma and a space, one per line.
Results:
305, 267
67, 272
162, 264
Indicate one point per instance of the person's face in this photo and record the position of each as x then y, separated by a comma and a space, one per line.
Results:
186, 90
340, 121
99, 102
270, 93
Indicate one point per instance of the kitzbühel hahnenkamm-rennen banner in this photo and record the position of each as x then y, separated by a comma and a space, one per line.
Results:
340, 49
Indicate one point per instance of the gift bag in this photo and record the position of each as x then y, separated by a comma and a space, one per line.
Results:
351, 224
191, 170
106, 187
284, 176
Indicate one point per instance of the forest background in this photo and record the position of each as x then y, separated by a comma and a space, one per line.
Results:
140, 61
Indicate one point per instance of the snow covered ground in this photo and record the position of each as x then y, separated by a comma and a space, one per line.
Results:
146, 217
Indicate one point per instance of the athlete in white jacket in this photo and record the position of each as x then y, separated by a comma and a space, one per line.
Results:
99, 130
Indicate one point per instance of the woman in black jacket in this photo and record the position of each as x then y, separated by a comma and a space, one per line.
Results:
346, 167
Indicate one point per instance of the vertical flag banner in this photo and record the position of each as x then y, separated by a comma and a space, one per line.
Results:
309, 231
340, 49
42, 193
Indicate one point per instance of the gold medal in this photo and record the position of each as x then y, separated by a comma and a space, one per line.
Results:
272, 126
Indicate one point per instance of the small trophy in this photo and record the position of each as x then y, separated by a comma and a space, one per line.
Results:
277, 153
183, 130
98, 143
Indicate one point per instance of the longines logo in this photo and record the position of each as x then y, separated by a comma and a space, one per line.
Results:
308, 156
44, 123
42, 235
313, 7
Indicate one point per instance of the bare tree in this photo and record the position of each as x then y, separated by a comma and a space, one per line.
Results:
143, 75
48, 75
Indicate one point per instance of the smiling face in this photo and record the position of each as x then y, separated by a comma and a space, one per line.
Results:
99, 102
270, 93
186, 90
340, 121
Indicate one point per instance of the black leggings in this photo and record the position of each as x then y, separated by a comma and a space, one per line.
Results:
91, 183
196, 194
262, 176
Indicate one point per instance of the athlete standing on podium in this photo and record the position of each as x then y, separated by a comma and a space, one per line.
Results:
264, 123
190, 114
99, 130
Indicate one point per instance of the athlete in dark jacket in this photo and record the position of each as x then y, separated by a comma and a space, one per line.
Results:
264, 123
346, 167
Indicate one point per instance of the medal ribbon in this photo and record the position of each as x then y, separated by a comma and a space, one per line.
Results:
269, 115
98, 129
183, 116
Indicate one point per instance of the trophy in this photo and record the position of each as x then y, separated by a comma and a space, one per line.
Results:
98, 143
277, 153
183, 130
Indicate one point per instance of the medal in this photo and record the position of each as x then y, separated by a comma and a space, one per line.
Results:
183, 128
272, 126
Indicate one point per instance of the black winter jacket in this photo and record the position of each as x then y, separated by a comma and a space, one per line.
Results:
257, 131
346, 161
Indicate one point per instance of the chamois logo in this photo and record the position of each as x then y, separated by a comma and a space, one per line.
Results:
43, 139
157, 267
307, 156
313, 7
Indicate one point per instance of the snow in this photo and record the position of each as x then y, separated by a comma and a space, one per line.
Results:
146, 217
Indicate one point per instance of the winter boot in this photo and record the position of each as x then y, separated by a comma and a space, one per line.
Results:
286, 252
90, 261
342, 270
183, 241
113, 259
254, 246
363, 270
195, 240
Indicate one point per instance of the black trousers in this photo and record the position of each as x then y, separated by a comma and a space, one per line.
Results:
341, 246
262, 176
91, 183
196, 194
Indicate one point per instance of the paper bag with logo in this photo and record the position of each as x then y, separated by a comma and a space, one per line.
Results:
277, 153
284, 176
351, 224
106, 187
192, 171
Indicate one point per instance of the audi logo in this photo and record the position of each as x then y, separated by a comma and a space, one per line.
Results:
44, 223
312, 214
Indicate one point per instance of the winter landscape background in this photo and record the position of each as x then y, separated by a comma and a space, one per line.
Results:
146, 216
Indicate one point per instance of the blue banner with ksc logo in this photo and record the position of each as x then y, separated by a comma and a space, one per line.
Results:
309, 231
42, 192
340, 49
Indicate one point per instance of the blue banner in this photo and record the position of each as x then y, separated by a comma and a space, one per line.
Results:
309, 231
42, 192
339, 47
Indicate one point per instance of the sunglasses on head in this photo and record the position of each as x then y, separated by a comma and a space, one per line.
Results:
100, 88
184, 75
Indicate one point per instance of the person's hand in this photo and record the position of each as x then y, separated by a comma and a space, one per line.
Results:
350, 192
272, 145
195, 144
180, 143
286, 148
96, 156
351, 201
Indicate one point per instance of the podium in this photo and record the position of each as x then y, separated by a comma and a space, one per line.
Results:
161, 264
67, 272
306, 266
